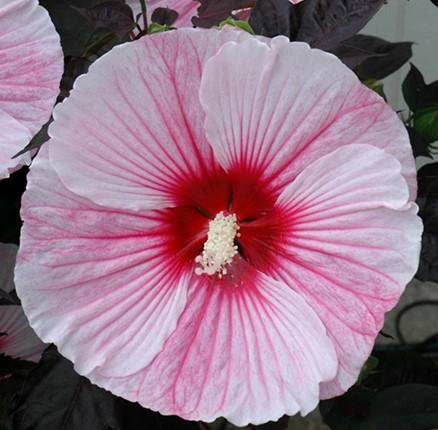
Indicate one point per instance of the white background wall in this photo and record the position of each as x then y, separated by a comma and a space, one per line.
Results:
408, 20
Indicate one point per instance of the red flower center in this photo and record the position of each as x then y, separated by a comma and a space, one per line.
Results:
238, 192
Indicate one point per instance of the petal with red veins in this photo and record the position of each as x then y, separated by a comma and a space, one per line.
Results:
14, 136
276, 109
31, 67
19, 341
133, 126
350, 245
250, 350
99, 283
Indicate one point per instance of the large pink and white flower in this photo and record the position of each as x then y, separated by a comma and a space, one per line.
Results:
17, 339
219, 225
31, 67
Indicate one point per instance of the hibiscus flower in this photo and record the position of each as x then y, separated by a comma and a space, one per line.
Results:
31, 67
17, 339
218, 225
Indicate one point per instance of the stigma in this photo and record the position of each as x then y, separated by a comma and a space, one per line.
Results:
219, 248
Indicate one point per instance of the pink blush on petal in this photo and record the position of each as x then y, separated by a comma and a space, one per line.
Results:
31, 61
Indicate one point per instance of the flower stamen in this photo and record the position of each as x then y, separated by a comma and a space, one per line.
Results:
219, 248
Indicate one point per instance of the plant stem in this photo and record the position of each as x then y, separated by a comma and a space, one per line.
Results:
143, 11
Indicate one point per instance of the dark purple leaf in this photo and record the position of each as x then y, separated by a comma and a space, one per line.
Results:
74, 29
271, 18
112, 15
56, 397
326, 23
38, 140
388, 57
11, 190
14, 366
435, 2
428, 181
428, 268
352, 52
413, 87
417, 94
78, 22
131, 416
213, 12
420, 145
428, 203
164, 16
372, 57
281, 424
73, 67
401, 407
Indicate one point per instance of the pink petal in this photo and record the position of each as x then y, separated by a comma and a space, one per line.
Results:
250, 353
296, 1
20, 340
14, 136
186, 9
97, 282
8, 253
133, 126
32, 64
276, 109
351, 243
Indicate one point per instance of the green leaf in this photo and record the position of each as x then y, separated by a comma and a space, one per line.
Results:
426, 123
412, 88
368, 369
242, 25
376, 86
157, 28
